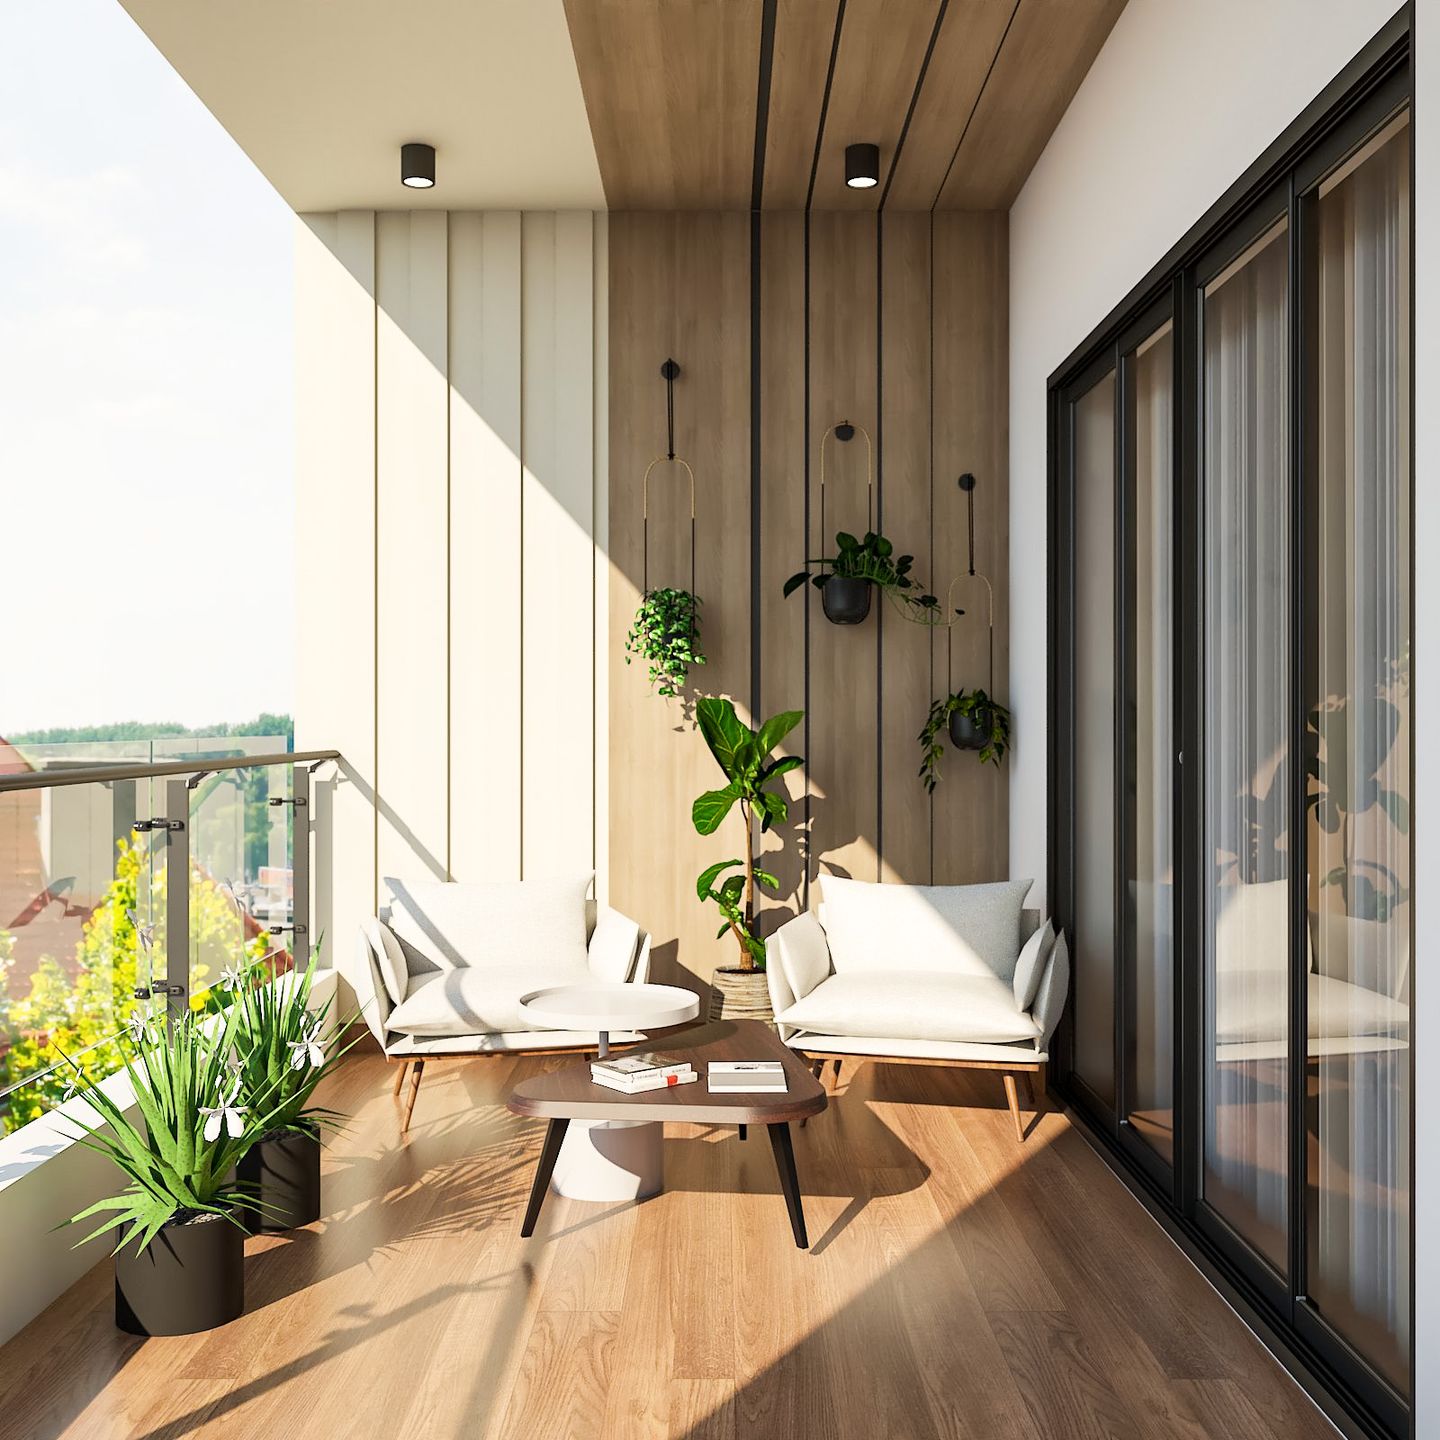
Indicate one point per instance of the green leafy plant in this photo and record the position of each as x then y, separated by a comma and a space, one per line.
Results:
744, 756
666, 635
195, 1125
279, 1051
991, 718
872, 558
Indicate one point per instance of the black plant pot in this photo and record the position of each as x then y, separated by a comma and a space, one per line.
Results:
846, 600
282, 1174
969, 732
189, 1278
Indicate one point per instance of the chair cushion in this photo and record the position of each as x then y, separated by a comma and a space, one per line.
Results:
1031, 965
913, 1005
1253, 1005
478, 1000
389, 959
530, 922
957, 929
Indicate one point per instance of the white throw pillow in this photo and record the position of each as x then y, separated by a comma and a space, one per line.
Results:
389, 959
613, 943
478, 1001
1031, 965
958, 929
1049, 1001
529, 922
1252, 928
913, 1005
798, 948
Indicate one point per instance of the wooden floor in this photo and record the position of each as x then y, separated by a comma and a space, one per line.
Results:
959, 1285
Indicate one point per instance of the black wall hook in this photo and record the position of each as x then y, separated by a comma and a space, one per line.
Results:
669, 373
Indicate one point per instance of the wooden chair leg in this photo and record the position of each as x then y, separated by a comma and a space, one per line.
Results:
1013, 1097
415, 1078
835, 1080
400, 1070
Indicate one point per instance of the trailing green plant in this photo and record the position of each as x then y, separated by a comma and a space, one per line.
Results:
195, 1124
743, 756
666, 635
278, 1045
872, 558
991, 718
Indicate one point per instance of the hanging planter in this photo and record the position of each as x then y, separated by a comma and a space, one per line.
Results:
970, 729
845, 599
190, 1277
666, 630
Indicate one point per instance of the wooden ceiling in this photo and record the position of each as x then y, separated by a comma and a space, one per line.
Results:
738, 104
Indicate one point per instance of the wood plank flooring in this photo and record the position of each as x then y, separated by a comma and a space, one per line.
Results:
959, 1285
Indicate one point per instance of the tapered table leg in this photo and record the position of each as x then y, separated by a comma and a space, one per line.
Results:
789, 1181
554, 1135
743, 1131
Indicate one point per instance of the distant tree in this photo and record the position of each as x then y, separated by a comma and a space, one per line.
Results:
265, 723
64, 1017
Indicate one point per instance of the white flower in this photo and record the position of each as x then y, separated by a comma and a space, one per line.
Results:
146, 933
139, 1027
72, 1086
226, 1112
308, 1051
231, 977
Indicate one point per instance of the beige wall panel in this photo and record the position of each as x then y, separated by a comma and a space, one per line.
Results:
782, 507
558, 619
412, 416
600, 563
804, 37
843, 723
679, 287
905, 654
485, 578
335, 515
971, 286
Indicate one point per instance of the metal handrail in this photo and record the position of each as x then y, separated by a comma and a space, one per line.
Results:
140, 770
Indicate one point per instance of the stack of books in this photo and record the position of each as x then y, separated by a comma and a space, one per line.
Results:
632, 1074
746, 1077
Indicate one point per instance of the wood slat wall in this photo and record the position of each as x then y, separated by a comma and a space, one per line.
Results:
896, 323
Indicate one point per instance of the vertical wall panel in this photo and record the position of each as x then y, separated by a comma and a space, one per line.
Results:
485, 578
905, 667
843, 725
971, 309
782, 518
412, 459
335, 523
600, 567
558, 517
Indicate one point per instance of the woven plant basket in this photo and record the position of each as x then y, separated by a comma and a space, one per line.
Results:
737, 994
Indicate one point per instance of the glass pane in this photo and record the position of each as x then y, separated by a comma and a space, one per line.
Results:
71, 889
1247, 579
1358, 840
1151, 792
1094, 488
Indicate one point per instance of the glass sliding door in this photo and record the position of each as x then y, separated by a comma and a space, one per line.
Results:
1149, 791
1093, 421
1358, 848
1246, 608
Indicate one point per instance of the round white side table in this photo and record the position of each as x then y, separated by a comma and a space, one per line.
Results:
610, 1159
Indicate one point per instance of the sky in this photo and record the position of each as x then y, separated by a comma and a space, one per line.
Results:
146, 389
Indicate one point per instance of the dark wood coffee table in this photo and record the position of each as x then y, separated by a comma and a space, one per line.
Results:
570, 1094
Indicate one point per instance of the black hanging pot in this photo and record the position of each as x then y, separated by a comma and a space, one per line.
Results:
969, 732
846, 599
281, 1173
189, 1278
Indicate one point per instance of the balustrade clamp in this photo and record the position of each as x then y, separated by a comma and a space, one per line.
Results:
160, 987
281, 929
297, 800
157, 822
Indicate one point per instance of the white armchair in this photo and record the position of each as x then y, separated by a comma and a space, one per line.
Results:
955, 975
442, 970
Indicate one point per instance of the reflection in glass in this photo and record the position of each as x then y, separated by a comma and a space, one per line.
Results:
1247, 608
1358, 840
1151, 793
1094, 482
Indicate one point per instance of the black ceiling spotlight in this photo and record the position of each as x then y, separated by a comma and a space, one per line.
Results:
417, 165
862, 166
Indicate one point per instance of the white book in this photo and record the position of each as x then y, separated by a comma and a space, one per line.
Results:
747, 1067
634, 1066
748, 1082
641, 1083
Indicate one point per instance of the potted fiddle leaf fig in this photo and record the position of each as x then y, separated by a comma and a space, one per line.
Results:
280, 1052
666, 636
744, 757
974, 722
179, 1250
845, 579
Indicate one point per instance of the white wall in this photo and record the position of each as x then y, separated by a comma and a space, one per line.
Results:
451, 372
1180, 102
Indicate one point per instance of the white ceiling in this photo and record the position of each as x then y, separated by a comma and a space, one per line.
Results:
321, 94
